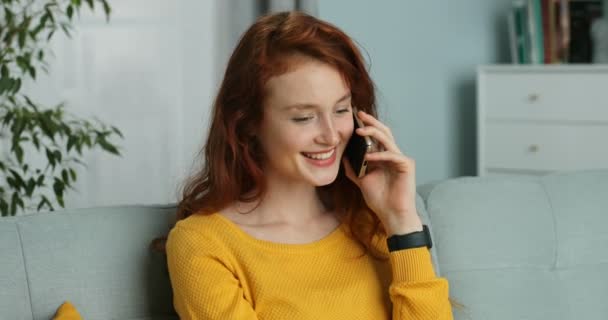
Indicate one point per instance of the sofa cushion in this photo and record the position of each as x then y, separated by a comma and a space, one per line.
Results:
424, 217
100, 260
524, 248
14, 296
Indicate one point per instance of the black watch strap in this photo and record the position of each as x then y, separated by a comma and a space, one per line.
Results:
411, 240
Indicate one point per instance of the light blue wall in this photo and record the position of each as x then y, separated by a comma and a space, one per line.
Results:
423, 56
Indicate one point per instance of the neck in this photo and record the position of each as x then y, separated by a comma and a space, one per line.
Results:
286, 203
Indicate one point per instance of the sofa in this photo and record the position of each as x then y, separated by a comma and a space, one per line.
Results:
511, 248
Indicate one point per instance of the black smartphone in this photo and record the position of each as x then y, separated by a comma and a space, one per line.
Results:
357, 147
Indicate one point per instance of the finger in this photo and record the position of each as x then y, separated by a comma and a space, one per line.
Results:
368, 119
379, 136
350, 173
400, 162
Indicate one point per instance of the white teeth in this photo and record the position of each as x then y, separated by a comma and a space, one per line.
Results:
320, 156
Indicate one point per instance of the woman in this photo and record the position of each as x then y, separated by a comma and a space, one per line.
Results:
276, 225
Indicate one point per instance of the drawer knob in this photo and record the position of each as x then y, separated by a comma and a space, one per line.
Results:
533, 148
533, 97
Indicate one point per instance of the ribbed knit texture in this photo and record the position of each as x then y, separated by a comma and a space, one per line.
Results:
220, 272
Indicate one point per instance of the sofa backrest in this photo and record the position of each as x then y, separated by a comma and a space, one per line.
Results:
524, 248
99, 259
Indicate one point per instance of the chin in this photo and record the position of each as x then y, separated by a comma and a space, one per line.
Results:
325, 179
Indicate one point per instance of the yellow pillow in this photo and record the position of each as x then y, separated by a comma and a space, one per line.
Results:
67, 311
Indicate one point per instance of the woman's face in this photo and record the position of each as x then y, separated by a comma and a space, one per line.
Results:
307, 123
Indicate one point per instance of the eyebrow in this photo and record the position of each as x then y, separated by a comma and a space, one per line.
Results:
304, 106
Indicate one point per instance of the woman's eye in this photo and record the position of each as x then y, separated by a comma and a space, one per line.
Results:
301, 119
344, 110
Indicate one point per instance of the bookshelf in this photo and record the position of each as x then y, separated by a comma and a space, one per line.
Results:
556, 31
537, 119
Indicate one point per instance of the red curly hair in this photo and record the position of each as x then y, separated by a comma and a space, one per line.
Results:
232, 168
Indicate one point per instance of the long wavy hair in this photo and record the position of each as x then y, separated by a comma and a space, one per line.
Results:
232, 168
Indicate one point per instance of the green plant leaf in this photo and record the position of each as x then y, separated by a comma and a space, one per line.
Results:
57, 155
30, 103
49, 13
50, 35
40, 180
58, 187
71, 142
19, 153
18, 180
65, 177
40, 205
17, 128
118, 132
66, 30
60, 201
17, 86
4, 207
46, 125
9, 16
50, 157
43, 202
36, 141
6, 84
12, 183
14, 202
31, 185
8, 117
21, 38
106, 9
32, 72
105, 145
41, 25
4, 71
70, 11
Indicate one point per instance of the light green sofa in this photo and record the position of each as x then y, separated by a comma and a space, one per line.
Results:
512, 248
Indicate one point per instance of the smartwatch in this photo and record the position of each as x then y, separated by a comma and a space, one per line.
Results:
410, 240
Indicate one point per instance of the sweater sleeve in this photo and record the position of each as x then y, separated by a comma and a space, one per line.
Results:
203, 285
415, 291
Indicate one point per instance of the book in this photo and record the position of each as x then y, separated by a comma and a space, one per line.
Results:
548, 31
563, 34
581, 17
513, 45
535, 31
521, 31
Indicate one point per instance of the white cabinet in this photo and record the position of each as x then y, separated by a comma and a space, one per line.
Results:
532, 120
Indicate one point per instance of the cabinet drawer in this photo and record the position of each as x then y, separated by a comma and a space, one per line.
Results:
549, 95
545, 147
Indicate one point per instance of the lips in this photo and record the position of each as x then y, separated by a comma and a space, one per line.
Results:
323, 155
321, 159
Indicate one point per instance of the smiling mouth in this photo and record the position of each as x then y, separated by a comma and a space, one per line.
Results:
320, 155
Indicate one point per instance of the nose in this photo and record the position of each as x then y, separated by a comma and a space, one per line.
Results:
328, 133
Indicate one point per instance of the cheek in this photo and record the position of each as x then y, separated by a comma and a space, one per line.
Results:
285, 143
346, 127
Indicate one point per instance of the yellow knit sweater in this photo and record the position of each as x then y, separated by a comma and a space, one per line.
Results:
220, 272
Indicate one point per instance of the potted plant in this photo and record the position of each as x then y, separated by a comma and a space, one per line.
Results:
30, 131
